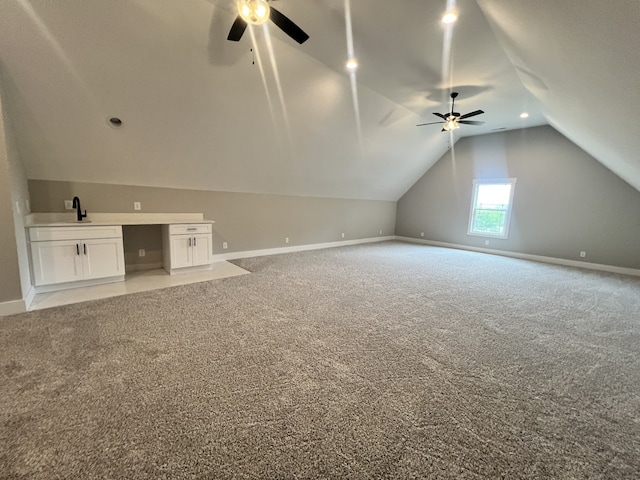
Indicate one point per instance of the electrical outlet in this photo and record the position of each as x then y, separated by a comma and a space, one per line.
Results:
68, 204
342, 234
28, 206
422, 234
137, 206
583, 254
486, 242
286, 239
18, 212
141, 252
380, 232
224, 245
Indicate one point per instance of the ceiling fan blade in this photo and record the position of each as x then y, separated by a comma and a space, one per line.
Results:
472, 114
237, 29
431, 123
441, 115
470, 122
287, 26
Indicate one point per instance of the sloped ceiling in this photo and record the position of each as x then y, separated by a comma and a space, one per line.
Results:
581, 61
201, 112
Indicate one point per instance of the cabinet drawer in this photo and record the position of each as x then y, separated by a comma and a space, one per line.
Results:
38, 234
189, 228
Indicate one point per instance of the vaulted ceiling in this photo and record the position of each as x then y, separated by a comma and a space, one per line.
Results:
268, 115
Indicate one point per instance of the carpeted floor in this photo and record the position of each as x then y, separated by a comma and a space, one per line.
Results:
386, 360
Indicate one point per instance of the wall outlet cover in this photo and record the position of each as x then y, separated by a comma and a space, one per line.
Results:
68, 204
137, 206
141, 252
224, 245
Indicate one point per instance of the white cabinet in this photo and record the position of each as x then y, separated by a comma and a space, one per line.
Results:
60, 255
186, 246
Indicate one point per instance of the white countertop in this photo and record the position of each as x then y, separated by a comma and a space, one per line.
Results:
96, 219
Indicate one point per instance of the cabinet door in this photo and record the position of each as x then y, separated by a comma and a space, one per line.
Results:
202, 249
181, 254
102, 257
56, 261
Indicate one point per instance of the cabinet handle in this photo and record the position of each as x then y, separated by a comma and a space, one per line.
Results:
77, 249
194, 241
192, 229
84, 247
189, 241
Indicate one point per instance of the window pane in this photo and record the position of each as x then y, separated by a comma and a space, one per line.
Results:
495, 197
489, 221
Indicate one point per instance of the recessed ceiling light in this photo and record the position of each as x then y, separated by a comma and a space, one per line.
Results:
524, 115
449, 17
352, 64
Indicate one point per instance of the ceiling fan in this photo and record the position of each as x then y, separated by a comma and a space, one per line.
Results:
257, 12
453, 119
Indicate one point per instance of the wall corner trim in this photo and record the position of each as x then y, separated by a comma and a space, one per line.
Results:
525, 256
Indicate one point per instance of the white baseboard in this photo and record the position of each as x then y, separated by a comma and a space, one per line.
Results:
525, 256
12, 307
198, 268
82, 283
297, 248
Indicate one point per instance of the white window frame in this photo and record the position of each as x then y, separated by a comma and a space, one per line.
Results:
474, 198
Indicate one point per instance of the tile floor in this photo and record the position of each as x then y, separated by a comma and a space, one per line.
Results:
134, 282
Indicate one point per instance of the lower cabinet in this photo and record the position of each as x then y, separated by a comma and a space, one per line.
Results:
187, 245
74, 254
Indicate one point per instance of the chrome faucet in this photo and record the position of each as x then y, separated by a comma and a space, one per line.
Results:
76, 204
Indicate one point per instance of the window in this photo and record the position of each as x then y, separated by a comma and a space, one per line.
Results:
491, 207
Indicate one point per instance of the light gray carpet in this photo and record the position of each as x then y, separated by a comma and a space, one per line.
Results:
378, 361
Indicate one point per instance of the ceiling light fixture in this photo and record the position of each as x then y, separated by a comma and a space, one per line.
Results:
255, 12
451, 124
449, 17
352, 64
524, 115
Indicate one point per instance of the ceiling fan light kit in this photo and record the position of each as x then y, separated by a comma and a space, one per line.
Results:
451, 125
255, 12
